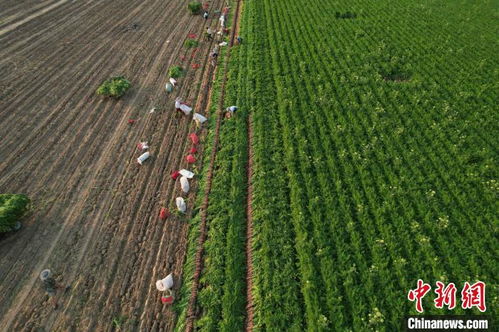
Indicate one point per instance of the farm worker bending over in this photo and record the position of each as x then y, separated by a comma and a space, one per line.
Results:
214, 54
178, 103
165, 285
229, 111
205, 15
239, 40
220, 36
50, 286
199, 119
209, 33
182, 107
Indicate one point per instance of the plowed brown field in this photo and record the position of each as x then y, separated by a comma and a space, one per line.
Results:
95, 211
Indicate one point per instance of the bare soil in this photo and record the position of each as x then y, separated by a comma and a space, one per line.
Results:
95, 211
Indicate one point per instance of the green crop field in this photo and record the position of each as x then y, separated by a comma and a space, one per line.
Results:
375, 164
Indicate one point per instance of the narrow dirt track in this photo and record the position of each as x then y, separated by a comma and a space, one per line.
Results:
95, 212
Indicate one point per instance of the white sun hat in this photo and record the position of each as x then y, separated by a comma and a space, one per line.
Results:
165, 283
181, 206
186, 173
199, 117
45, 274
186, 109
184, 184
143, 157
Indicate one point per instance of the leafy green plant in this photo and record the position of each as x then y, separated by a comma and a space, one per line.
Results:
345, 15
190, 43
194, 7
12, 208
114, 87
119, 321
176, 71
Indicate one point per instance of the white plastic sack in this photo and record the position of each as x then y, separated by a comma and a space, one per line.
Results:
186, 173
199, 117
186, 109
165, 283
173, 81
143, 157
223, 44
181, 204
184, 184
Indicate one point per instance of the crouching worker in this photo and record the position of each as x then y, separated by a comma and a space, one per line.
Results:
178, 104
229, 111
214, 55
209, 33
50, 286
220, 36
181, 107
166, 285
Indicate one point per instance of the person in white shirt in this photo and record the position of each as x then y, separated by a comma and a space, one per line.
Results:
229, 111
209, 33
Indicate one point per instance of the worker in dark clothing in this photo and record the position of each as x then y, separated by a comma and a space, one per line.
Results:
214, 54
50, 286
239, 40
205, 15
